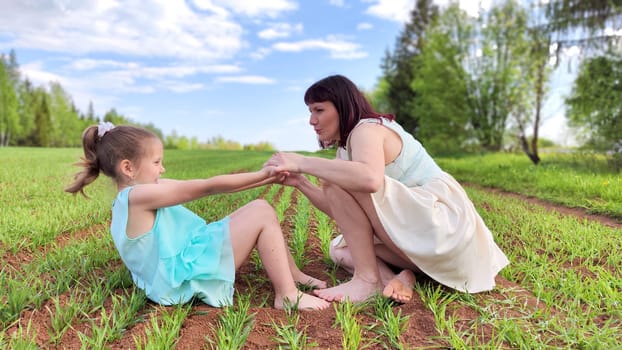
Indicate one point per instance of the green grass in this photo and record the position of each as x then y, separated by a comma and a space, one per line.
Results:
566, 273
571, 180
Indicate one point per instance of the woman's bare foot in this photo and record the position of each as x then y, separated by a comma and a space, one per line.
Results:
307, 280
400, 288
354, 290
301, 301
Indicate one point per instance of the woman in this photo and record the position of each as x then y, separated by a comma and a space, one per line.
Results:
394, 206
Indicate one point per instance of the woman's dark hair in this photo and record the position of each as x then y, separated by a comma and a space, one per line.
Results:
104, 153
349, 101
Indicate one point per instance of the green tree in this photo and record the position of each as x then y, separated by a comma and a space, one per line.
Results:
584, 24
43, 122
90, 117
13, 68
66, 128
441, 84
470, 79
595, 103
115, 118
260, 146
399, 69
9, 117
500, 79
378, 97
183, 143
151, 127
566, 15
26, 111
219, 142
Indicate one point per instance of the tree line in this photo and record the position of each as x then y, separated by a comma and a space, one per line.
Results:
472, 83
45, 116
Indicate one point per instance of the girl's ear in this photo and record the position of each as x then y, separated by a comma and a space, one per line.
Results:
126, 168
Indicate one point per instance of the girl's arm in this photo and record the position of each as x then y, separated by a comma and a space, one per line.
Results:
266, 181
172, 192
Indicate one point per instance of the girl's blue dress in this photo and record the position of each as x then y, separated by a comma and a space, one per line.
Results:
180, 257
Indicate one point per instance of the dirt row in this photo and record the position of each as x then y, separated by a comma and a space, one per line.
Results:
319, 326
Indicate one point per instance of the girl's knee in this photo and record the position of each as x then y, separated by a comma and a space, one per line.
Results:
333, 252
339, 255
261, 205
263, 208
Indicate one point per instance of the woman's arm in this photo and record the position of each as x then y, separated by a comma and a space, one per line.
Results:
172, 192
365, 173
312, 192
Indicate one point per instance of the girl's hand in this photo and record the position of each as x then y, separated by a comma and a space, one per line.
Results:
269, 171
273, 175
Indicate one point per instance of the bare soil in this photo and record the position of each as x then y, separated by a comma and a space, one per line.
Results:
318, 325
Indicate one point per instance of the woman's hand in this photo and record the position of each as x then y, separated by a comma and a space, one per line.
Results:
285, 161
282, 177
293, 179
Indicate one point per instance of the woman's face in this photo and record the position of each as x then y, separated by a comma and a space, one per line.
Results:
325, 121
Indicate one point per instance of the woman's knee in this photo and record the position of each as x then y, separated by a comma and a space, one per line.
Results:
332, 191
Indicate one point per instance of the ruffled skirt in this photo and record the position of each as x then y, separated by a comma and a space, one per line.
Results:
204, 267
439, 229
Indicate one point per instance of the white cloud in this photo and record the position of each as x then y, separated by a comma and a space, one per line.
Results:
399, 10
613, 32
245, 79
269, 8
338, 3
35, 73
394, 10
364, 26
260, 53
162, 29
177, 70
572, 51
280, 30
337, 47
181, 87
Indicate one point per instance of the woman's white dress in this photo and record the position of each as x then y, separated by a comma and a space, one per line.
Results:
429, 216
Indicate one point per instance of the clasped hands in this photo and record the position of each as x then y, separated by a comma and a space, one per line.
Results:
284, 168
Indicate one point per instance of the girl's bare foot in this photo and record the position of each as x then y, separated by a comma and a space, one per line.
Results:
307, 280
300, 300
400, 288
354, 290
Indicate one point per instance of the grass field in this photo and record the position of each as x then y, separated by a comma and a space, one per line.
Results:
64, 286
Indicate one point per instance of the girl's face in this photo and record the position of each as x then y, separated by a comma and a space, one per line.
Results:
151, 166
325, 121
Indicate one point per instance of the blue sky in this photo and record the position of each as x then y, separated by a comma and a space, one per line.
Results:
204, 68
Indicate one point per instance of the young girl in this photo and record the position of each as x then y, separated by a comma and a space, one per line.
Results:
172, 253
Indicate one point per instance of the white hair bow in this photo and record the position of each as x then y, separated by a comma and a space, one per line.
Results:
103, 128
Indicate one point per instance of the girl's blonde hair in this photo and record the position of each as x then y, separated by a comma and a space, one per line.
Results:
103, 153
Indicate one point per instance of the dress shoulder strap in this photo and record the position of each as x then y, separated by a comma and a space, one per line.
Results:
361, 121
